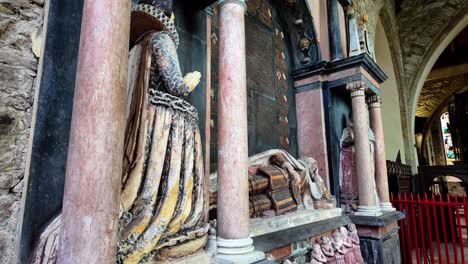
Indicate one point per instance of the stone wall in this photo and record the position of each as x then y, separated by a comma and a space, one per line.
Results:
368, 10
392, 123
20, 23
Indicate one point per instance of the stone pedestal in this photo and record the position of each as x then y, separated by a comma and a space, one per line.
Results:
380, 243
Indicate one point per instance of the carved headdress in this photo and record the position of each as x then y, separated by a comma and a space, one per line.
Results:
152, 15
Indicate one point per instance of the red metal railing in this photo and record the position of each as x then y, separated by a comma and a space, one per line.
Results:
434, 229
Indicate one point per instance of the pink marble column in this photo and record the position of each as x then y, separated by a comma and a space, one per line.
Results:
366, 184
234, 243
92, 186
381, 177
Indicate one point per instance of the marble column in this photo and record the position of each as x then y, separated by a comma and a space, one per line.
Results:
234, 242
366, 184
94, 163
381, 177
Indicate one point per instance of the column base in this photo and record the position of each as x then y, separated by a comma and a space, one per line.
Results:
387, 207
237, 251
364, 210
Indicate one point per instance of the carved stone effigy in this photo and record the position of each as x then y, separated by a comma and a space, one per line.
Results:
328, 250
343, 249
356, 243
348, 243
339, 247
279, 183
162, 196
348, 175
316, 255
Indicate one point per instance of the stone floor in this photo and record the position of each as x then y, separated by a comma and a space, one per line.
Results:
443, 256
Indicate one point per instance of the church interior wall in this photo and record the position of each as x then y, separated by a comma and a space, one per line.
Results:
392, 122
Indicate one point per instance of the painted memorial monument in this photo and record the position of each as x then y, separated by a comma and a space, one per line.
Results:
163, 199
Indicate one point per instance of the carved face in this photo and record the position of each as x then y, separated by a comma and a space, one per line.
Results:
336, 236
316, 248
352, 227
325, 240
310, 163
343, 231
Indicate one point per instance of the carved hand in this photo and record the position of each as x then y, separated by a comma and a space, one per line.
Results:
192, 79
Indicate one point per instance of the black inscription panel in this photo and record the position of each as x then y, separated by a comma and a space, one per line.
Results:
260, 57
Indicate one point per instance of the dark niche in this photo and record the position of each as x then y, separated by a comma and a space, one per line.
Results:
300, 31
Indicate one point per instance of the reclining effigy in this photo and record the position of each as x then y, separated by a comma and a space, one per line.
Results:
280, 183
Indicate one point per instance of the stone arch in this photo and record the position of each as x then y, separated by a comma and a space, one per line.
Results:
423, 71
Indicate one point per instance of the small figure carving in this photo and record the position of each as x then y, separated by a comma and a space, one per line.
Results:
348, 243
339, 248
317, 256
328, 251
356, 243
304, 46
322, 197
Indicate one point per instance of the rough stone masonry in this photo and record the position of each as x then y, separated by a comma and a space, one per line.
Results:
20, 27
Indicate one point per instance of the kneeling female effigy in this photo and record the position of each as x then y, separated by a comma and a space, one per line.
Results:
162, 195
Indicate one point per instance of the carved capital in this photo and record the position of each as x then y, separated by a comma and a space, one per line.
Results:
240, 2
374, 101
357, 88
